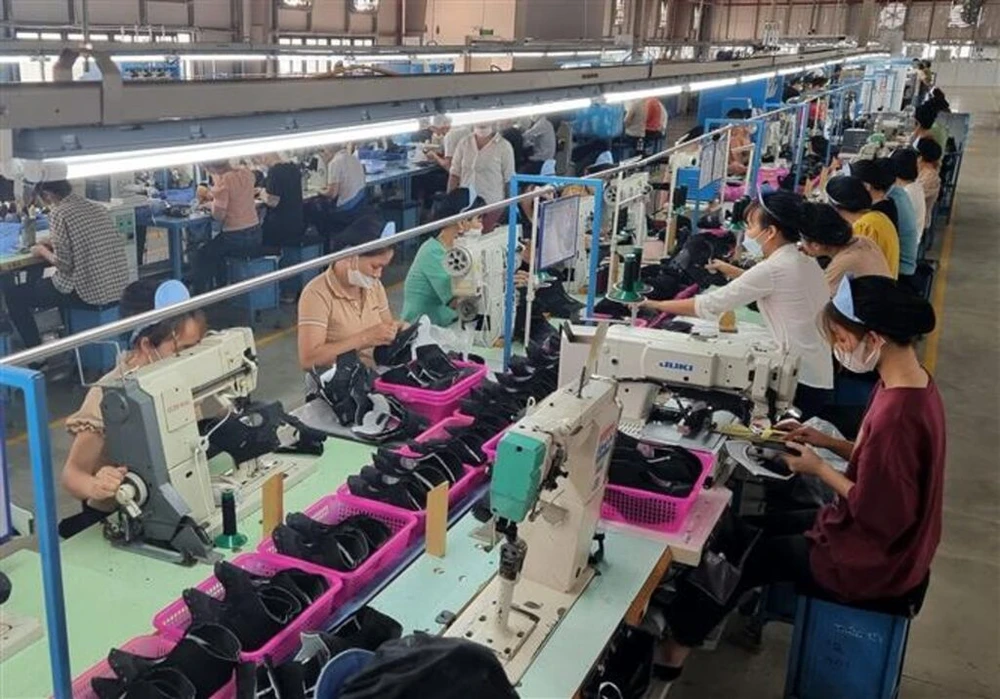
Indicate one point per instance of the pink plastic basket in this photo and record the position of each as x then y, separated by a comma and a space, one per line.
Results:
147, 646
490, 446
659, 513
435, 405
174, 620
336, 508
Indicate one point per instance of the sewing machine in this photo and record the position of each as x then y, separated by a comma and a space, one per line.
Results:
169, 504
546, 492
727, 369
477, 265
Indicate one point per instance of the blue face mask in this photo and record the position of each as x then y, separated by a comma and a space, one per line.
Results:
753, 247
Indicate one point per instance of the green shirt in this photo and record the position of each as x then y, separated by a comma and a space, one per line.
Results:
427, 289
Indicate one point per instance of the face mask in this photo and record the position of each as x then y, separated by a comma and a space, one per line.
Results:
473, 232
483, 131
856, 361
363, 281
753, 247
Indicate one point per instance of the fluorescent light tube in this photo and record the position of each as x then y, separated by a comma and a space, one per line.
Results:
489, 54
753, 77
99, 164
479, 116
709, 84
190, 57
138, 58
560, 54
629, 95
529, 54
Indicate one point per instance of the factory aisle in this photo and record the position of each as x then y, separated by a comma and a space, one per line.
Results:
954, 646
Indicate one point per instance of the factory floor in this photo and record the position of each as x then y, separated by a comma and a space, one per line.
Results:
954, 645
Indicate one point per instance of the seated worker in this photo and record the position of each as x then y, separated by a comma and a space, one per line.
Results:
740, 145
427, 289
877, 181
85, 475
84, 247
284, 221
787, 286
346, 307
904, 161
233, 204
849, 197
345, 193
929, 173
826, 234
877, 540
539, 144
927, 125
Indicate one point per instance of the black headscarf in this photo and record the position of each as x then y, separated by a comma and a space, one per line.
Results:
848, 192
887, 308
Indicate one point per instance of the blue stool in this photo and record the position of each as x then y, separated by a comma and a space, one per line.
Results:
293, 255
100, 356
241, 268
841, 652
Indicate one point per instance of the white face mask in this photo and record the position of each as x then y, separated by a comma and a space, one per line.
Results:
363, 281
861, 360
483, 131
473, 232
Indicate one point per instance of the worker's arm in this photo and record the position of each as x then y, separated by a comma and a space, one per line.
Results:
677, 307
455, 170
453, 183
507, 167
220, 202
59, 252
333, 177
443, 161
83, 475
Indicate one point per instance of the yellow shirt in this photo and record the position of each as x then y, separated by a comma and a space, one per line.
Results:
877, 227
327, 304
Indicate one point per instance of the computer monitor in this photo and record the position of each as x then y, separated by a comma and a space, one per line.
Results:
558, 231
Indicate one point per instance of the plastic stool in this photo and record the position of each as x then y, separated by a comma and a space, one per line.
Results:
841, 652
98, 356
293, 255
241, 268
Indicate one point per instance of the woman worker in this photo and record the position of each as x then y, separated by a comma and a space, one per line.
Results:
875, 542
86, 475
852, 201
346, 308
827, 234
427, 289
789, 290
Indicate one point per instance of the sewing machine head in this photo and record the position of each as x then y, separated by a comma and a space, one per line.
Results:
477, 265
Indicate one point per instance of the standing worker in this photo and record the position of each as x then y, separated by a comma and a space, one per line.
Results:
234, 205
656, 125
484, 162
540, 143
284, 222
87, 251
449, 136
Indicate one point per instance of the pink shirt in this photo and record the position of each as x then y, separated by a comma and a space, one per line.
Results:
233, 200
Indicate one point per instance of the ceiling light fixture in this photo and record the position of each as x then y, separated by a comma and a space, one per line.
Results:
629, 95
753, 77
711, 84
478, 116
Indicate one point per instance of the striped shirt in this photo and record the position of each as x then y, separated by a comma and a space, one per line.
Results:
90, 253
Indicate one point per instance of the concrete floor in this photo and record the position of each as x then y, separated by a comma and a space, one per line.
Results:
954, 648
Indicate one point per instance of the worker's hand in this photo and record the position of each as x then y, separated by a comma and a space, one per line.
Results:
654, 305
105, 482
807, 461
728, 271
43, 252
521, 278
802, 434
381, 334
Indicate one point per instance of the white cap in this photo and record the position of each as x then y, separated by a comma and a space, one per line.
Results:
439, 121
38, 171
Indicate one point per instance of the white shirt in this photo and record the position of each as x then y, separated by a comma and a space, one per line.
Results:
487, 169
542, 138
453, 138
791, 292
915, 192
345, 170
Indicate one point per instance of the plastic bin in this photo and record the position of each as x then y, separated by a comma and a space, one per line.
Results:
336, 508
174, 619
653, 511
490, 447
152, 646
841, 652
435, 405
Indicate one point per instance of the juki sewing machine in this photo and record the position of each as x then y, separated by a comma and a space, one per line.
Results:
478, 268
546, 492
169, 505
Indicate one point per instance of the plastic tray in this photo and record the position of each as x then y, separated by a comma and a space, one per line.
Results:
436, 405
490, 447
153, 646
336, 508
659, 513
174, 620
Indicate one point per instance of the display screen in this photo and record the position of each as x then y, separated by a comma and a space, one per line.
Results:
558, 231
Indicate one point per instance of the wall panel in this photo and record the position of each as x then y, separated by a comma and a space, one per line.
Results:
171, 14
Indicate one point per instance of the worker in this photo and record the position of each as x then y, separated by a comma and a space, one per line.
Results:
635, 126
906, 219
927, 124
929, 154
84, 247
787, 286
877, 181
484, 161
905, 168
875, 542
284, 222
85, 475
540, 144
848, 195
825, 233
449, 137
346, 308
656, 126
740, 145
232, 203
427, 289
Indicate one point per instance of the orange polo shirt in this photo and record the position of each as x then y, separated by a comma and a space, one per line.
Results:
328, 304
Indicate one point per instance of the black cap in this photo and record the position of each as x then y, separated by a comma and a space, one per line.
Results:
879, 173
848, 192
888, 308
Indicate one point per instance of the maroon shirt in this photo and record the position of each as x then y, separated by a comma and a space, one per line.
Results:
878, 542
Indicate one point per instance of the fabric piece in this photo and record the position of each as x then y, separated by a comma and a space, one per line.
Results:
427, 289
906, 227
861, 257
790, 292
877, 227
487, 169
346, 171
284, 223
328, 304
879, 541
89, 250
233, 202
